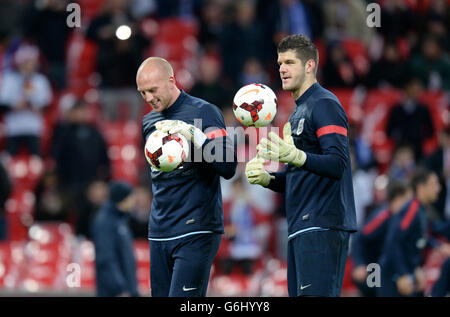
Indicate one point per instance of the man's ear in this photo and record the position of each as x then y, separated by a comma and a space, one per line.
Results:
311, 66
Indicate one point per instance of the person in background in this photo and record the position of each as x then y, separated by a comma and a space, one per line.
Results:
431, 65
407, 236
368, 242
244, 248
80, 154
439, 162
209, 86
410, 121
114, 258
45, 23
117, 59
25, 93
403, 163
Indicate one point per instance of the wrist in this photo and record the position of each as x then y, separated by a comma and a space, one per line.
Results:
299, 158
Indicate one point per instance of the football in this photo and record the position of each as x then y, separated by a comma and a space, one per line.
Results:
255, 105
166, 152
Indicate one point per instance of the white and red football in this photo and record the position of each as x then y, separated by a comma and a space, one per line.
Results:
166, 152
255, 105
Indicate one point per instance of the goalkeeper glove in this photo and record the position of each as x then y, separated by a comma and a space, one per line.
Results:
281, 150
255, 172
190, 132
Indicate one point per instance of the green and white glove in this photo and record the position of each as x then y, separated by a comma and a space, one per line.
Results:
255, 172
281, 150
190, 132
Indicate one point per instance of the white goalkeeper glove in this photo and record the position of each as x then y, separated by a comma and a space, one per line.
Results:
190, 132
281, 150
255, 172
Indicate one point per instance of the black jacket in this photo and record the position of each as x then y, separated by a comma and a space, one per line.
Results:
114, 258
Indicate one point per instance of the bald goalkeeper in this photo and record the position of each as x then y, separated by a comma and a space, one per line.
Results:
186, 218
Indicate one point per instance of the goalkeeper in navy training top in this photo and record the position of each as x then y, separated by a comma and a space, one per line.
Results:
186, 218
317, 181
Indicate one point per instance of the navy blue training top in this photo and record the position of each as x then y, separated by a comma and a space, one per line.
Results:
320, 193
188, 199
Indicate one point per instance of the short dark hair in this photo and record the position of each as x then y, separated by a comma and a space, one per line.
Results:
302, 45
396, 188
420, 177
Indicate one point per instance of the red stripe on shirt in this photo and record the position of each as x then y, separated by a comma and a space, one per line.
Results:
410, 214
331, 129
377, 221
216, 133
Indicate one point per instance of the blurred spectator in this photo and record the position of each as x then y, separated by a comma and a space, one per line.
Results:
141, 9
241, 39
438, 22
363, 187
45, 23
139, 216
209, 86
244, 248
403, 163
346, 19
80, 154
410, 121
442, 286
431, 65
293, 17
114, 255
401, 259
117, 59
252, 72
396, 19
338, 70
364, 156
50, 202
11, 14
367, 243
211, 19
5, 191
185, 9
25, 93
95, 195
439, 162
389, 70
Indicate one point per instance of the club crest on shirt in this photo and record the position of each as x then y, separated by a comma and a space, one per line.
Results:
301, 123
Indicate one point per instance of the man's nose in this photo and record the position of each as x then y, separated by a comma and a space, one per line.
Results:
148, 96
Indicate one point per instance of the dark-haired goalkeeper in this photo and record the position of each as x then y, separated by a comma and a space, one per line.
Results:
317, 181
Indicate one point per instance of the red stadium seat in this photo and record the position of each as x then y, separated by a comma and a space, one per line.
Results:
19, 208
85, 253
25, 170
357, 52
91, 8
124, 148
351, 100
376, 109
